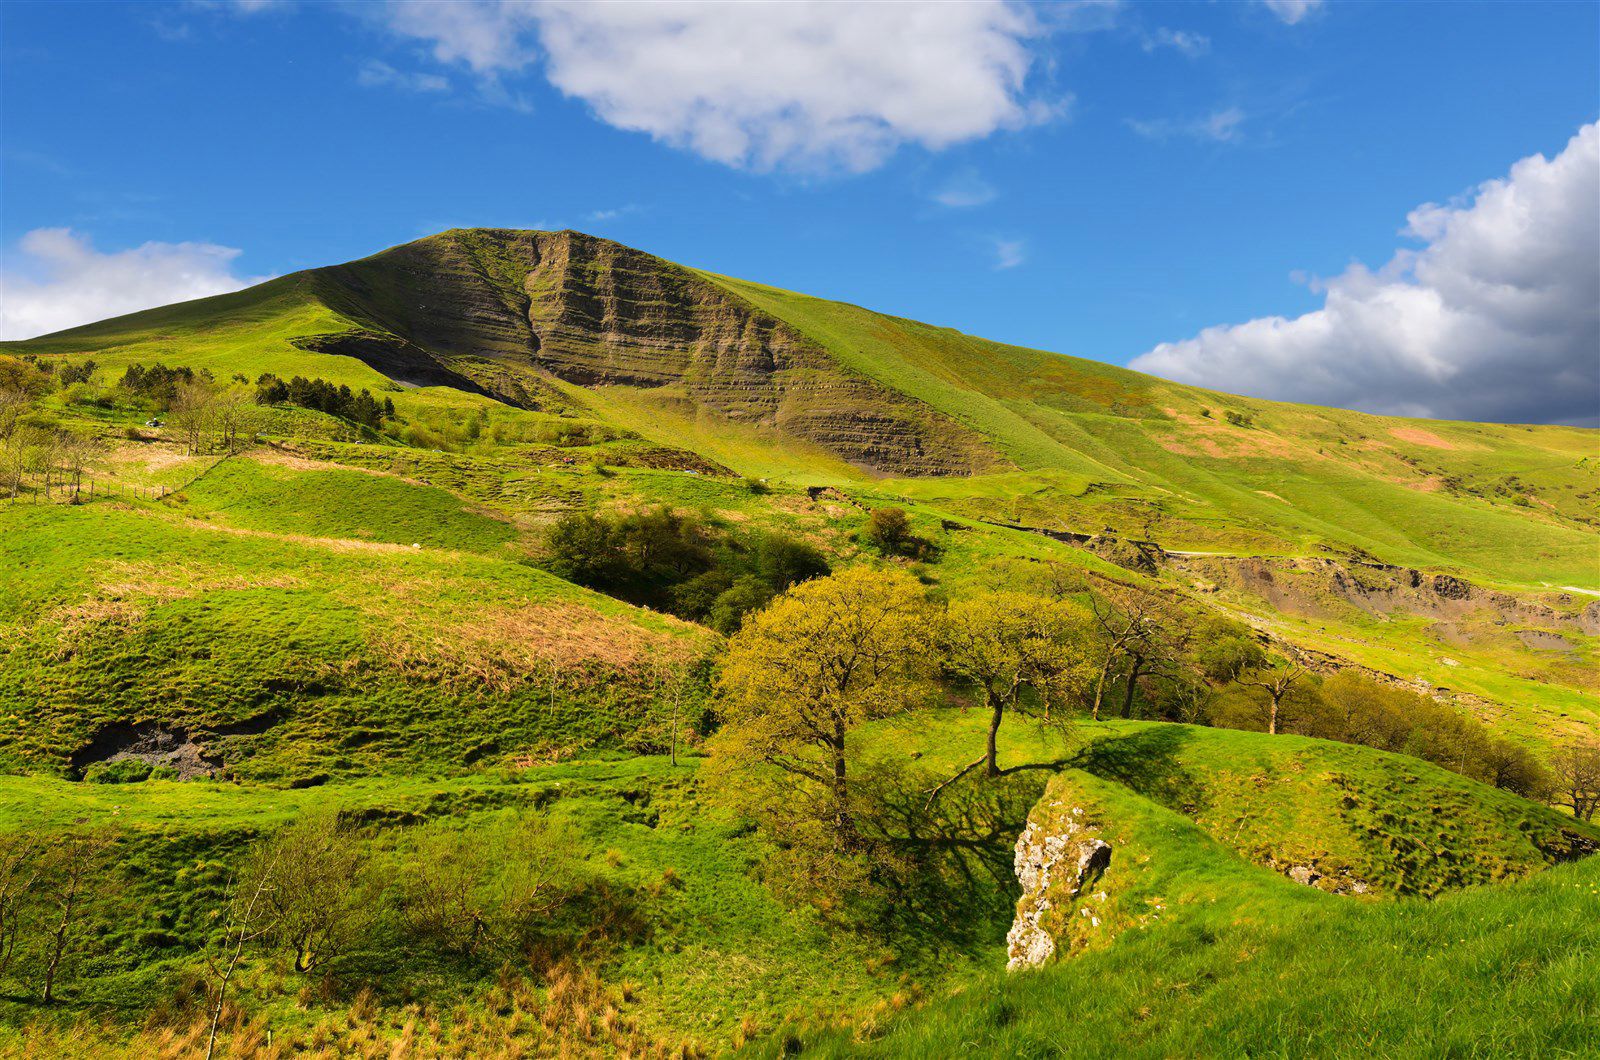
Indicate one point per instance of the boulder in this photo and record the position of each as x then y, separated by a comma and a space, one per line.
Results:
1060, 857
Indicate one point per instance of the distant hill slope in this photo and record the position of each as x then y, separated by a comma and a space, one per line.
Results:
767, 381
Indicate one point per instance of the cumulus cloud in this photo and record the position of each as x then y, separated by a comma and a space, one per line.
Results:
58, 280
1220, 126
1495, 317
803, 84
1291, 12
377, 74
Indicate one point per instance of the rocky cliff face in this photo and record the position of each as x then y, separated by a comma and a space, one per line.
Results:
596, 313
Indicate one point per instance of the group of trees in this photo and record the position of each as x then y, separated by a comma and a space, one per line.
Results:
836, 652
319, 394
679, 563
316, 897
35, 445
159, 384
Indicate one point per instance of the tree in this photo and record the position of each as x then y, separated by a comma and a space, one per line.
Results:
1130, 622
825, 657
19, 870
314, 889
583, 548
889, 530
235, 415
1576, 768
1010, 646
1277, 683
249, 917
490, 888
1512, 767
72, 864
78, 452
193, 411
14, 401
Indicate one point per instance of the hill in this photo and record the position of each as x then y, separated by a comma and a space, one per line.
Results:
766, 381
1377, 542
453, 644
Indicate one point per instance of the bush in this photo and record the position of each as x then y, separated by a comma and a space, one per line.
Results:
493, 891
677, 563
889, 530
122, 771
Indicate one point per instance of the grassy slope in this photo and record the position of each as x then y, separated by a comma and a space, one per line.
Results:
1403, 826
1239, 962
724, 957
370, 655
1297, 478
1098, 445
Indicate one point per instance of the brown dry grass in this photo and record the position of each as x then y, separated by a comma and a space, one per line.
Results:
127, 590
1418, 436
333, 544
566, 1012
504, 648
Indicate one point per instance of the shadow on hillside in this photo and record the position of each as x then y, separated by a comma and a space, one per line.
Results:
952, 881
1147, 763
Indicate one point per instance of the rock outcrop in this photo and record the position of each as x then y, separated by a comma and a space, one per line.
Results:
591, 312
1060, 858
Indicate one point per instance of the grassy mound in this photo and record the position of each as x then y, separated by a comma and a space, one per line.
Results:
259, 494
1220, 958
1355, 819
293, 655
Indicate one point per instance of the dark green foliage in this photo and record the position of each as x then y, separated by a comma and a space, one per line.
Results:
889, 530
72, 372
679, 563
158, 383
323, 396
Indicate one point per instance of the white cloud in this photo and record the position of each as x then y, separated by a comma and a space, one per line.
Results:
965, 189
803, 84
1009, 253
614, 213
1186, 41
377, 74
1220, 126
58, 280
1291, 12
1496, 317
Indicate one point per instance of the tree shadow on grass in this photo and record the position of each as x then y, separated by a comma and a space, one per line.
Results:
1146, 762
949, 879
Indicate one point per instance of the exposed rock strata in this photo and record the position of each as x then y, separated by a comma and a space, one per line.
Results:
595, 313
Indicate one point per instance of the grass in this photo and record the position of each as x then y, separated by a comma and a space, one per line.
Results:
1199, 933
257, 494
1244, 963
355, 655
721, 952
358, 626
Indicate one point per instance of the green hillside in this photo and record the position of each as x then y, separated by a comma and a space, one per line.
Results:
457, 636
1237, 961
700, 362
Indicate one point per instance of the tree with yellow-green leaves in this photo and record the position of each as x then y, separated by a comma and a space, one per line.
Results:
1023, 654
825, 657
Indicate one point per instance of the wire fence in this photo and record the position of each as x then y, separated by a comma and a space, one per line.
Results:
83, 489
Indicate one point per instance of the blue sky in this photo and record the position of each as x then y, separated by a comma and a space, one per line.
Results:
1095, 179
